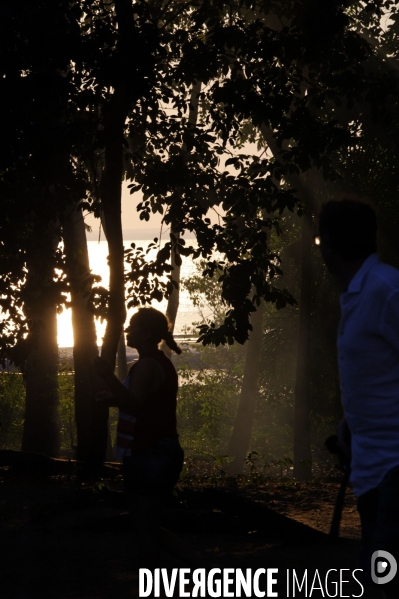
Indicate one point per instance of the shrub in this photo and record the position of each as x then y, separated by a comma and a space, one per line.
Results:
12, 409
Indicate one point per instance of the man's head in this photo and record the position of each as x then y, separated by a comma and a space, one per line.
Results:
347, 230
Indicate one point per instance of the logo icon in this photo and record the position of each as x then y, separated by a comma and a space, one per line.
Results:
383, 567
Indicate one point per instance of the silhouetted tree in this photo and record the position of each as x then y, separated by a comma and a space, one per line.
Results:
84, 332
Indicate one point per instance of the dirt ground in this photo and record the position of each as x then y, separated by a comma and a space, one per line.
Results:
64, 539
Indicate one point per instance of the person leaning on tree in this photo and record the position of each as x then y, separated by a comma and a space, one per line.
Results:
368, 355
147, 438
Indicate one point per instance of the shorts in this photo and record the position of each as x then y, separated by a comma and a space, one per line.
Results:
156, 471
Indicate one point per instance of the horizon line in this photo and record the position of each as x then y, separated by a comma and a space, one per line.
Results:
135, 234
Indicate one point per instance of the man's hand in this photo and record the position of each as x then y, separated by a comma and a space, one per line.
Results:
102, 368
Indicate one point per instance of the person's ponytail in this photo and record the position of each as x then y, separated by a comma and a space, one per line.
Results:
171, 343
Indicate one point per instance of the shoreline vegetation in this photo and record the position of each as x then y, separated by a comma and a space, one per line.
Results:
133, 235
210, 383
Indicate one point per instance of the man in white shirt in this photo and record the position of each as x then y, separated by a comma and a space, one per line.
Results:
368, 352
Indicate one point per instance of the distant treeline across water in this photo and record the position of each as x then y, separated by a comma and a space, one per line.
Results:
136, 234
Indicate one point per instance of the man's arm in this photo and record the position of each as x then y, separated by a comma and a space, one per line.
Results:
389, 320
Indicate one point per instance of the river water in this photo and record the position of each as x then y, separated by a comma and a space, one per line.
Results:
98, 252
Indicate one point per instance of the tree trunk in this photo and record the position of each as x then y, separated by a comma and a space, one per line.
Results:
111, 201
84, 330
122, 366
173, 301
42, 426
302, 448
241, 437
302, 445
121, 351
174, 298
115, 114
